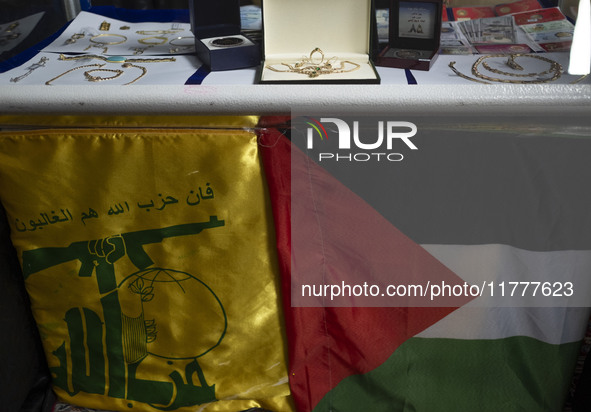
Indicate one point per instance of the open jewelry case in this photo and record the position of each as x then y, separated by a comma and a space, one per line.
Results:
317, 41
218, 41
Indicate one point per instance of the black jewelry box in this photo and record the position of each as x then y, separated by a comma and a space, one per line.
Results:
218, 41
318, 41
414, 34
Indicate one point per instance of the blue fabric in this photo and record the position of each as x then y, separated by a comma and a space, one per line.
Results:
409, 77
198, 76
450, 13
85, 5
139, 16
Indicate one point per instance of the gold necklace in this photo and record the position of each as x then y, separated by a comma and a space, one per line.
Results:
555, 69
315, 66
74, 69
116, 59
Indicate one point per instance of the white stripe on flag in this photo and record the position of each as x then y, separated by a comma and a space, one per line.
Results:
498, 317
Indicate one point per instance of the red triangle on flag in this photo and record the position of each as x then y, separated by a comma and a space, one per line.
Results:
327, 235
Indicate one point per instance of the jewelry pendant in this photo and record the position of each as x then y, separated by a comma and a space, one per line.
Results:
115, 59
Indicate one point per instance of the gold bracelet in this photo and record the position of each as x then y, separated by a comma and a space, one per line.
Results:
117, 72
92, 78
116, 59
148, 32
143, 41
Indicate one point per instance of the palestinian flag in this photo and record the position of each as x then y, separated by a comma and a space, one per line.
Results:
498, 205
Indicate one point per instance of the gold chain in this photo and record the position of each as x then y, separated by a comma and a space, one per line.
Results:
555, 69
74, 69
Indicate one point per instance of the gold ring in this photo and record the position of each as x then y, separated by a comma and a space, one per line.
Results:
317, 50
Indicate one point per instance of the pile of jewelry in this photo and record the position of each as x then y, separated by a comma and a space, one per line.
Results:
312, 66
516, 76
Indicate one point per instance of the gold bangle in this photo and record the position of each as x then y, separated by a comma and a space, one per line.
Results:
143, 41
110, 43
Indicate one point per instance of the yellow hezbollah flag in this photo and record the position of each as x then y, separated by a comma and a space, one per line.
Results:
149, 258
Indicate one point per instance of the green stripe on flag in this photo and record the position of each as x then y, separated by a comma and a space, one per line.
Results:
439, 375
